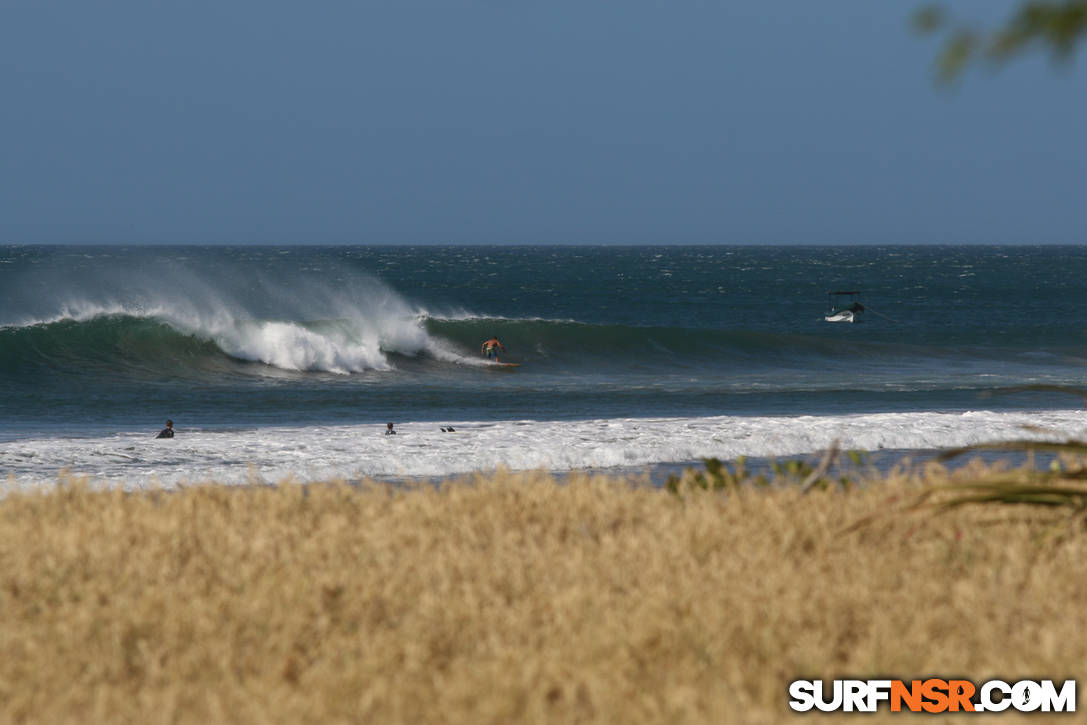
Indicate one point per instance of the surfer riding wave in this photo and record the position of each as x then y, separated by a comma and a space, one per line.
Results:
490, 348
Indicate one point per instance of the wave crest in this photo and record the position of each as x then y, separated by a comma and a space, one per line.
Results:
169, 317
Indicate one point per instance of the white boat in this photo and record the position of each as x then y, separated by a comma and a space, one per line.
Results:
843, 306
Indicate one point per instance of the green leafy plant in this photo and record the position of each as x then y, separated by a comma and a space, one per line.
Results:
718, 477
1054, 25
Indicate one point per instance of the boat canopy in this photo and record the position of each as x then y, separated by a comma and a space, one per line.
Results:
852, 306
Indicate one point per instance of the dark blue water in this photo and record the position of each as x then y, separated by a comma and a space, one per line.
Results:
92, 338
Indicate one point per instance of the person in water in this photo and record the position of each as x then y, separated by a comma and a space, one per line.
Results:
389, 429
168, 431
490, 348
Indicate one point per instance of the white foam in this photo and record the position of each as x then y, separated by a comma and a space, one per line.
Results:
134, 460
292, 346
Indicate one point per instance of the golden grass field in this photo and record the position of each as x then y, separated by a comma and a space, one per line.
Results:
513, 598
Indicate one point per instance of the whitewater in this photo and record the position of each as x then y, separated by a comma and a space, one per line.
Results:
424, 450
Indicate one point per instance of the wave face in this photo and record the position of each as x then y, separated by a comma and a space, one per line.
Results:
156, 343
152, 342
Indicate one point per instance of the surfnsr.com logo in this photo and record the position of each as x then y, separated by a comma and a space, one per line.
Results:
932, 695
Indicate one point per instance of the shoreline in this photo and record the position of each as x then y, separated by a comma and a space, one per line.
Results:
876, 464
871, 465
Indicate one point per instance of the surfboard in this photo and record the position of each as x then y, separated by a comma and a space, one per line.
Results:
505, 365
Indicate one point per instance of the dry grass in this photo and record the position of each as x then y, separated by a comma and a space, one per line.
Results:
514, 599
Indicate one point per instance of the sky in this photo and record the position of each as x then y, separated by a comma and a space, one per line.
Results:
518, 122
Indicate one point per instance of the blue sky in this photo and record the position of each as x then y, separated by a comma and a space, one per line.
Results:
507, 121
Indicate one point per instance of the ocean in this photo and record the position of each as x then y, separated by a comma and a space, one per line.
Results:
279, 362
